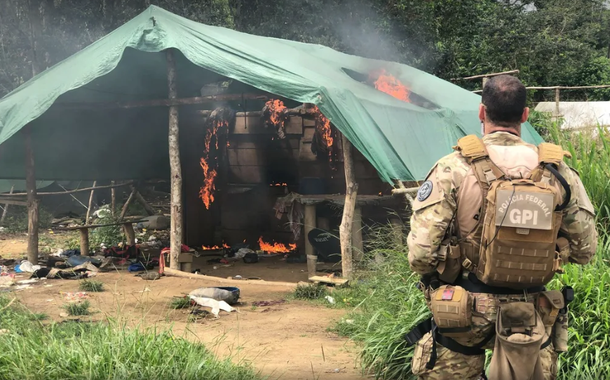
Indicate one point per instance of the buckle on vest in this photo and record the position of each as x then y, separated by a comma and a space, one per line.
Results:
489, 176
468, 265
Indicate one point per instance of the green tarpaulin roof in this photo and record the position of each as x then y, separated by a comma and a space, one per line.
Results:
400, 139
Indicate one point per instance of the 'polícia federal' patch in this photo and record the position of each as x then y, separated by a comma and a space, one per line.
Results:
424, 191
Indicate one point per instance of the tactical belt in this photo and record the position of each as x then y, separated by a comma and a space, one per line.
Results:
418, 332
473, 285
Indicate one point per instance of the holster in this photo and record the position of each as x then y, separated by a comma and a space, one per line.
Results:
519, 336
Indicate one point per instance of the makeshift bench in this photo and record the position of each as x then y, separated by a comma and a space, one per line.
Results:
84, 232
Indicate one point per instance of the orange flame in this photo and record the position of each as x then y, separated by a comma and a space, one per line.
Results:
206, 193
323, 126
389, 84
275, 247
215, 247
276, 108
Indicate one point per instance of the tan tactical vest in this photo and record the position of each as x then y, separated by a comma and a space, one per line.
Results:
513, 242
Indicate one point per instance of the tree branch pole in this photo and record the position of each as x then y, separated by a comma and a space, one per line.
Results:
32, 199
351, 192
72, 191
5, 211
486, 75
90, 203
175, 169
112, 199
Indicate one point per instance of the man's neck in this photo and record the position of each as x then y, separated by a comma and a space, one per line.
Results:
489, 129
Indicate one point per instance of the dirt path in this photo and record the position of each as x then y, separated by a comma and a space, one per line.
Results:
285, 341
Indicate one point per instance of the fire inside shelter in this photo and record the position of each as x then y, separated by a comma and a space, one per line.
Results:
286, 148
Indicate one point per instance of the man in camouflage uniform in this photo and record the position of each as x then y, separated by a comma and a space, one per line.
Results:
451, 199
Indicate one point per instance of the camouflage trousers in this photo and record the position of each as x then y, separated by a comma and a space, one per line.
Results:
454, 365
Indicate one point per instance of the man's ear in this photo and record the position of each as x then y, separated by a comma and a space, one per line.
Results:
525, 115
481, 112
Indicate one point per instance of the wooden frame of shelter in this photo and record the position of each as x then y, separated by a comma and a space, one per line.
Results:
350, 226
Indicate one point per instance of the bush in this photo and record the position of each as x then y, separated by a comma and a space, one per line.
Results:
111, 350
17, 219
91, 286
78, 308
310, 292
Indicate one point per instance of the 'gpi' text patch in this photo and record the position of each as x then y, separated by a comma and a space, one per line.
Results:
524, 209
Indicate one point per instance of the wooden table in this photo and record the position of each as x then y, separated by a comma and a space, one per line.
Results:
310, 221
84, 232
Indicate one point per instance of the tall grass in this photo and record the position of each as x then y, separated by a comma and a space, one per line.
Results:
388, 303
75, 350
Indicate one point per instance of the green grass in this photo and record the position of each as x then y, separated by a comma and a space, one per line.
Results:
77, 308
384, 302
180, 303
310, 292
91, 286
109, 350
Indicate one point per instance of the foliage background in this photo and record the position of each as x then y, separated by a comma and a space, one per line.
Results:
552, 42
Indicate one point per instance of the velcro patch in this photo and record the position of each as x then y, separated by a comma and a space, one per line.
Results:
447, 294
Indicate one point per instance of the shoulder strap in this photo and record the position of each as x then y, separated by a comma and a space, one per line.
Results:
550, 154
471, 147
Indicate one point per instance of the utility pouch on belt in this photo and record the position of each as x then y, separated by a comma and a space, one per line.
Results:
519, 335
549, 304
560, 329
451, 308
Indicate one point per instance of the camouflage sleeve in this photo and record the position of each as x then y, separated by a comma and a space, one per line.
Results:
578, 224
433, 210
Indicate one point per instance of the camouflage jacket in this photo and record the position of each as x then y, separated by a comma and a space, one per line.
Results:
441, 201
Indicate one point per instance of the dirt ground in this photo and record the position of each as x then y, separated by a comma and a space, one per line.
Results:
284, 341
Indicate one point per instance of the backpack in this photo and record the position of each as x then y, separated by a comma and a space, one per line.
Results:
517, 246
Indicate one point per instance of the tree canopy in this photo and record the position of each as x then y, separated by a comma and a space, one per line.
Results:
551, 42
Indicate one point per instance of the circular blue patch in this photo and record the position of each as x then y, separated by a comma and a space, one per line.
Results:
424, 191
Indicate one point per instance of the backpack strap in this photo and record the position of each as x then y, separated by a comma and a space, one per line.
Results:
548, 154
474, 151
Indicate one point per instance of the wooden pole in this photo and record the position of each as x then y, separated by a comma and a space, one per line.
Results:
357, 235
146, 205
557, 102
30, 186
5, 211
112, 199
175, 169
127, 203
486, 75
84, 241
65, 192
351, 192
90, 203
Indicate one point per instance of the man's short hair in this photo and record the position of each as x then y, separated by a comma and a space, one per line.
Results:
504, 98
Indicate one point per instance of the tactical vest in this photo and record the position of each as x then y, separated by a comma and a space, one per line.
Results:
516, 245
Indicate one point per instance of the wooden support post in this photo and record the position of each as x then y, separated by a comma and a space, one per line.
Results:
129, 233
112, 200
309, 224
357, 235
5, 211
90, 203
84, 241
557, 102
30, 186
175, 169
351, 192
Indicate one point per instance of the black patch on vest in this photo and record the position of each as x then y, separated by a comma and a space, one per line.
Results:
424, 191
